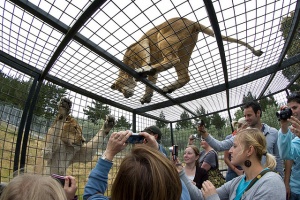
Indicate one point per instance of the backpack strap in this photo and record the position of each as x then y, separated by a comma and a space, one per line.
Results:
257, 178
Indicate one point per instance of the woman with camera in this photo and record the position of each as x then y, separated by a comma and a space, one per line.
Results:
193, 171
258, 181
144, 174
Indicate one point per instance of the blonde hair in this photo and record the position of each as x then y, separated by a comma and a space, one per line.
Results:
254, 137
33, 187
142, 174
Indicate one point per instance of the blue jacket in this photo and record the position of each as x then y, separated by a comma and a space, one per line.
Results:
289, 149
97, 182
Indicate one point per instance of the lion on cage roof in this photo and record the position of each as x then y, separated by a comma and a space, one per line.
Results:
65, 143
167, 45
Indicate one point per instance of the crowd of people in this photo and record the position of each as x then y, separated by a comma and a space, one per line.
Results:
254, 153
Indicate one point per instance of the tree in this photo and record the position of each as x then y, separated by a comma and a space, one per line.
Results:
238, 114
249, 97
97, 111
49, 95
184, 124
161, 124
217, 121
267, 101
207, 119
122, 123
294, 48
16, 92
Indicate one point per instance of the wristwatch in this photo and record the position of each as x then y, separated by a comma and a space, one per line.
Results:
104, 158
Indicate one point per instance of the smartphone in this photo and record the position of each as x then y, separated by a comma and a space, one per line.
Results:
175, 152
135, 138
60, 179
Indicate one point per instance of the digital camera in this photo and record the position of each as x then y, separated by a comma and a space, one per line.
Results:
135, 138
284, 114
195, 137
174, 150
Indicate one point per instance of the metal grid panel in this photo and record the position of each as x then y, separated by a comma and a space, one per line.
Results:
279, 83
26, 37
255, 87
116, 25
210, 103
172, 113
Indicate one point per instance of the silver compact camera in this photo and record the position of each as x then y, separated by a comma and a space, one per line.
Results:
195, 137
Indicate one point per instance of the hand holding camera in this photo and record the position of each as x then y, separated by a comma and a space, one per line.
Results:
284, 113
174, 151
68, 183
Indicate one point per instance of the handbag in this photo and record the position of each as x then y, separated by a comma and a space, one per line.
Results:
215, 176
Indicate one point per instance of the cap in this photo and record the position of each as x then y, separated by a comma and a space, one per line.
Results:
242, 120
235, 124
153, 129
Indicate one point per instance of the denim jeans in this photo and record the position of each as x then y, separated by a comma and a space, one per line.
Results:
230, 175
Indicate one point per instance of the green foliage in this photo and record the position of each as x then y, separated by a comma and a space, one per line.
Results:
218, 121
49, 95
122, 123
207, 119
269, 116
15, 91
238, 114
161, 124
97, 111
294, 49
267, 101
185, 123
249, 97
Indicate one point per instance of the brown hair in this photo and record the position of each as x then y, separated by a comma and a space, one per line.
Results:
254, 137
196, 151
146, 174
33, 187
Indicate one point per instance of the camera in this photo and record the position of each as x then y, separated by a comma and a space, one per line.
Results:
198, 123
195, 137
60, 179
174, 150
284, 114
135, 138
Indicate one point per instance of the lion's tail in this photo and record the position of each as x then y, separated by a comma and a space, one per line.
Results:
201, 28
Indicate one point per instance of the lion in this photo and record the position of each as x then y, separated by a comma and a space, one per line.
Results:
162, 47
65, 143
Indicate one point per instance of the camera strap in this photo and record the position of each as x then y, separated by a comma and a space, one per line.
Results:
263, 172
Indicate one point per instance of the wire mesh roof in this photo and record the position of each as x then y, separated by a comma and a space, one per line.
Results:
80, 45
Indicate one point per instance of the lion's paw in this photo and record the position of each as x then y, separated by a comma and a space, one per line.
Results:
168, 89
109, 123
146, 70
146, 98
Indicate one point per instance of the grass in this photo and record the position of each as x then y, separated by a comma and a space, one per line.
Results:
8, 138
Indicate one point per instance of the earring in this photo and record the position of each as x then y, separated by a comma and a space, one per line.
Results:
247, 163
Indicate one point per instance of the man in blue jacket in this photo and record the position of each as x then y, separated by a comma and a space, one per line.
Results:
289, 142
